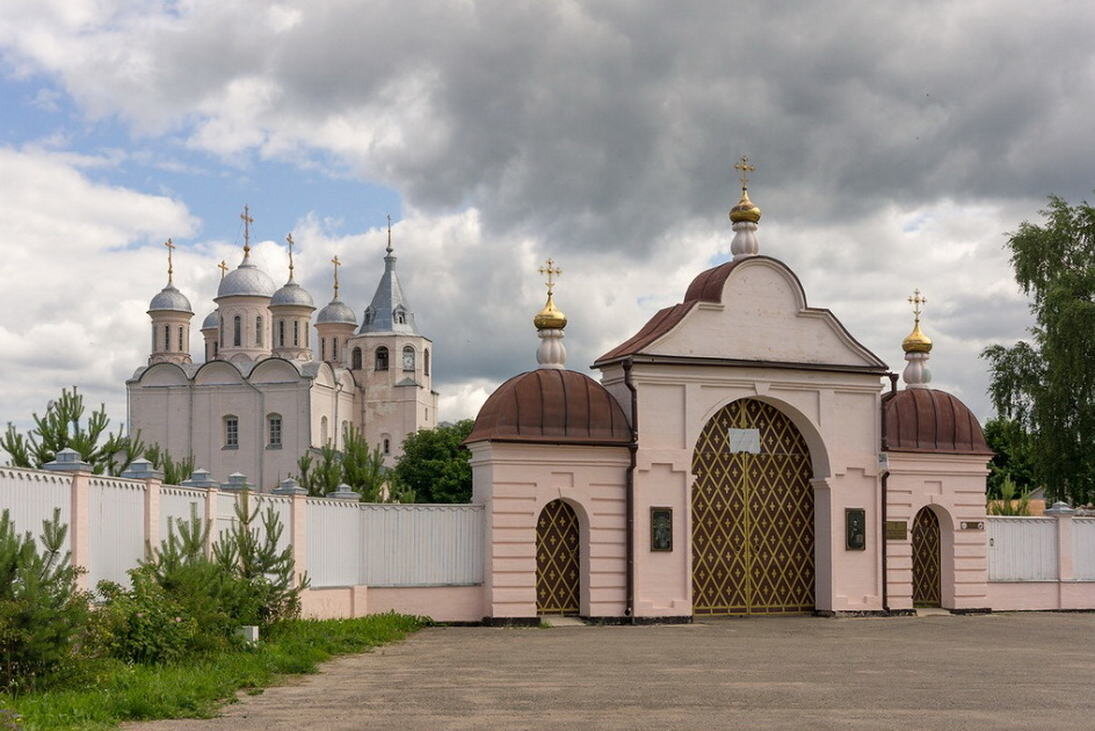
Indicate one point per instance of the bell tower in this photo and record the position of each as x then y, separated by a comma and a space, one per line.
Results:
394, 362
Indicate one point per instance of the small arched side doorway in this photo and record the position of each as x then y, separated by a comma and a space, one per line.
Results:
557, 565
926, 565
752, 514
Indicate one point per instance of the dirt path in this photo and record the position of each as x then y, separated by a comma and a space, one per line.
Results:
940, 671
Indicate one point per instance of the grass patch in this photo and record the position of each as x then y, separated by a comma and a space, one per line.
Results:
107, 692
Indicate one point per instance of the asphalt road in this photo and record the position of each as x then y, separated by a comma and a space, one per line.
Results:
1000, 670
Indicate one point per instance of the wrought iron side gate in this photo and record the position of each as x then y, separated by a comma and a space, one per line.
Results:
752, 514
557, 569
925, 550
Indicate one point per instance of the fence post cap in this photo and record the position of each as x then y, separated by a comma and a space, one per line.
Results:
199, 478
67, 460
141, 469
289, 486
1061, 508
236, 481
345, 492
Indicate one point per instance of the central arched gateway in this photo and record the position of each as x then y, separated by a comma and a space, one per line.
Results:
752, 514
557, 568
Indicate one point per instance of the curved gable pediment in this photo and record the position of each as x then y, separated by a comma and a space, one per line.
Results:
163, 374
274, 370
217, 372
753, 309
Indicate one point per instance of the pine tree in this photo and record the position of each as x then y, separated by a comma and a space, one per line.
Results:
41, 610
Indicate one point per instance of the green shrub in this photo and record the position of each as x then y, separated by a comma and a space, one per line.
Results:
268, 575
41, 611
144, 624
206, 592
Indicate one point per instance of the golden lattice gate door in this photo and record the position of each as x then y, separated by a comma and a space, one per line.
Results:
557, 572
925, 549
752, 514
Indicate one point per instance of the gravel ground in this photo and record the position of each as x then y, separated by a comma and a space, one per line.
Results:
998, 670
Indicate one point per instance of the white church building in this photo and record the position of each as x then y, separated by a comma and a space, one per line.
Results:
263, 395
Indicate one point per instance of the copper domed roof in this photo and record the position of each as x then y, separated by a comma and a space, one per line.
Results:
927, 420
551, 406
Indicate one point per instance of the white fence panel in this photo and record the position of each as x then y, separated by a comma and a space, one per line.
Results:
30, 496
334, 542
283, 507
1083, 548
226, 513
423, 545
178, 505
1022, 549
115, 528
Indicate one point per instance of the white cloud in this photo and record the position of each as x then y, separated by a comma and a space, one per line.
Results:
80, 262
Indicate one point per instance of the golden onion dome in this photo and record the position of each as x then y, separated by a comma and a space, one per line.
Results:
917, 341
745, 210
551, 317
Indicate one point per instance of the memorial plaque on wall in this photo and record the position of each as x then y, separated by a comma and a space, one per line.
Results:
855, 526
661, 529
896, 530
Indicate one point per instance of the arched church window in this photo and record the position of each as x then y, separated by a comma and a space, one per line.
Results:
215, 347
296, 333
237, 331
387, 445
323, 348
167, 337
231, 432
258, 330
408, 359
273, 423
281, 333
334, 349
426, 362
323, 430
181, 348
382, 358
355, 359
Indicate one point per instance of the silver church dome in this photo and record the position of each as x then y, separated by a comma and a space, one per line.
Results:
246, 281
170, 298
336, 311
212, 321
292, 294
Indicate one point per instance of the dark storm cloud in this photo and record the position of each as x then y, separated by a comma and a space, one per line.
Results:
600, 131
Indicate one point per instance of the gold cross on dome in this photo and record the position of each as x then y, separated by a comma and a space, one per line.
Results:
170, 268
916, 300
289, 240
247, 221
550, 271
744, 167
337, 264
223, 266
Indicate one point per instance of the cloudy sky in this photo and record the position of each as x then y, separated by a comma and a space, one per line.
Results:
896, 144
